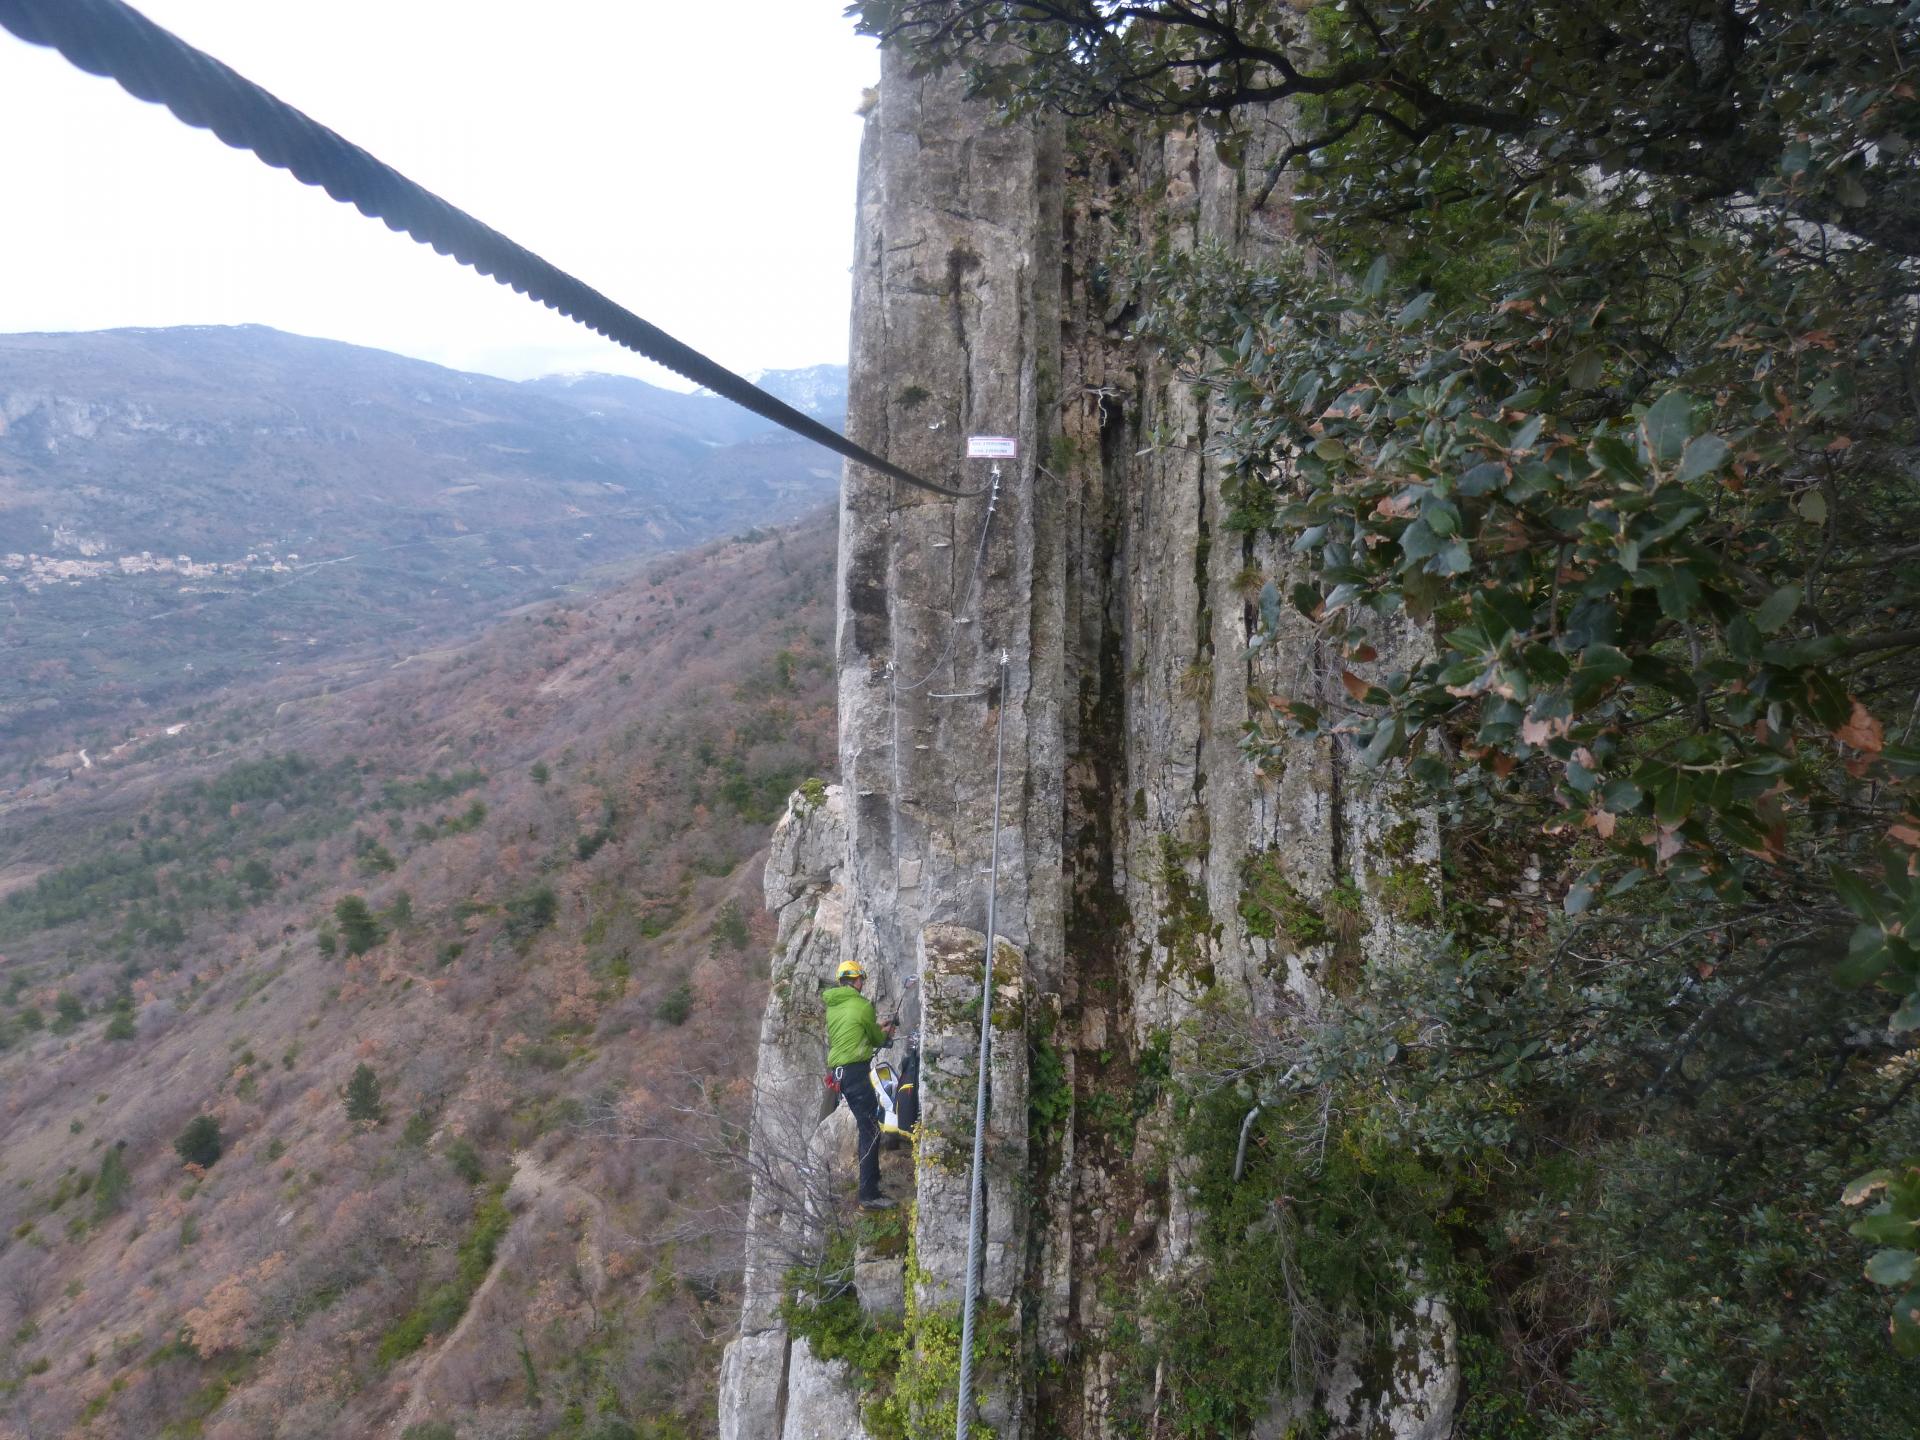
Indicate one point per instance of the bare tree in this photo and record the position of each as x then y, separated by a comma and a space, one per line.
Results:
782, 1213
25, 1283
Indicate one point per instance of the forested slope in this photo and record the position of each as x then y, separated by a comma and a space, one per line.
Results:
413, 949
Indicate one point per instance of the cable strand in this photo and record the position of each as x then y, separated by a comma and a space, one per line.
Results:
112, 39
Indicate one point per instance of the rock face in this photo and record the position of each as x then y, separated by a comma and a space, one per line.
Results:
1132, 824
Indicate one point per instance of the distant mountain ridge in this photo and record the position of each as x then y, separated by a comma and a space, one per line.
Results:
180, 506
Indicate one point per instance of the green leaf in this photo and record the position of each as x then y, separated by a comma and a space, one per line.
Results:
1673, 800
1905, 1326
1418, 541
1907, 1017
1618, 460
1678, 589
1704, 455
1668, 425
1867, 958
1777, 609
1855, 894
1812, 507
1887, 1229
1376, 280
1893, 1267
1622, 797
1415, 310
1794, 654
1587, 369
1482, 479
1386, 740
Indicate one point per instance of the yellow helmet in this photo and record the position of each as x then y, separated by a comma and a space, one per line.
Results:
849, 970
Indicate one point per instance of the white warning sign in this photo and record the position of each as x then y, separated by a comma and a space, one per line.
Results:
992, 447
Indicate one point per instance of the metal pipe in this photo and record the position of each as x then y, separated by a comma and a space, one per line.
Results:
963, 1407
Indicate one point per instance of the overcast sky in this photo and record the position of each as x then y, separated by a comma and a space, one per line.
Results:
696, 163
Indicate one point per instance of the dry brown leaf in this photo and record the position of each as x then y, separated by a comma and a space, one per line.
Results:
1861, 731
1538, 732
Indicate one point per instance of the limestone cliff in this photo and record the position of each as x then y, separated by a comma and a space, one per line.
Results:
1132, 824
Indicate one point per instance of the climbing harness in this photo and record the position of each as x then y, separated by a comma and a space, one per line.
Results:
897, 1090
107, 37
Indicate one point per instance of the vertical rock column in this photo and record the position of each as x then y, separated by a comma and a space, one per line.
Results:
951, 974
791, 1183
955, 333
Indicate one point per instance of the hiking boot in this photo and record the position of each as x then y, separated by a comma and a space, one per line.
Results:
878, 1202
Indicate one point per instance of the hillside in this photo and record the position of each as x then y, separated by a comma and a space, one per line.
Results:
180, 509
556, 832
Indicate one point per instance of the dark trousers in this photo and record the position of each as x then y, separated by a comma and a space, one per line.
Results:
856, 1088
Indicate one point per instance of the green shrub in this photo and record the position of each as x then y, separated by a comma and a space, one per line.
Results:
490, 1224
403, 1339
362, 1097
200, 1143
111, 1188
676, 1005
357, 924
465, 1160
68, 1012
531, 912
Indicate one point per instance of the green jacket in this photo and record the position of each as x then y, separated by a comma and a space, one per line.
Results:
852, 1028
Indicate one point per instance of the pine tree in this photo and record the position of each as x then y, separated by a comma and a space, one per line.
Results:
200, 1143
358, 928
363, 1097
69, 1011
110, 1190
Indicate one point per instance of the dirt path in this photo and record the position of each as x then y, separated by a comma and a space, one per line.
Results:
535, 1194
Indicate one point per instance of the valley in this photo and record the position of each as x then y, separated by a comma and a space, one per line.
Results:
184, 509
514, 876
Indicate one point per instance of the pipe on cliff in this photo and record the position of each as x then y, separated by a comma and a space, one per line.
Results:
963, 1403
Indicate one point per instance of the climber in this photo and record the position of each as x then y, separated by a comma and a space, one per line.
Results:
853, 1033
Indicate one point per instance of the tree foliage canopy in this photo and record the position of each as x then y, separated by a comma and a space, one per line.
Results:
201, 1142
362, 1097
1597, 361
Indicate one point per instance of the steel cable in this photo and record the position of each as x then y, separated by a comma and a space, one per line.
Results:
109, 38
